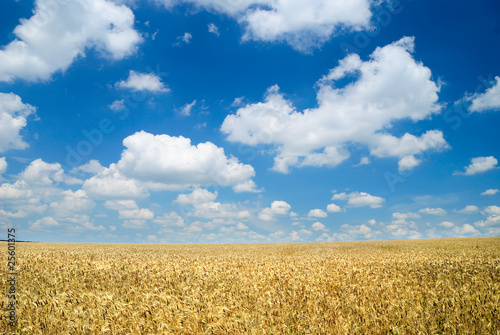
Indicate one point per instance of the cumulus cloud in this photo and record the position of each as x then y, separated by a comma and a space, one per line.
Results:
447, 224
359, 199
359, 230
317, 213
136, 214
137, 81
119, 205
42, 173
278, 208
492, 210
61, 31
71, 203
491, 191
3, 166
13, 118
332, 208
466, 230
469, 209
318, 226
174, 162
404, 216
390, 86
197, 196
433, 211
44, 223
479, 165
489, 100
303, 25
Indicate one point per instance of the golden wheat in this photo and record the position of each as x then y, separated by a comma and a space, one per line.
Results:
399, 287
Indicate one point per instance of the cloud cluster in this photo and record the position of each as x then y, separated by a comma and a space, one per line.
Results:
13, 118
278, 208
61, 31
141, 82
388, 87
302, 24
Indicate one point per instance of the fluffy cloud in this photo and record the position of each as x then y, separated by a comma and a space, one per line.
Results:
492, 210
13, 117
278, 208
466, 230
42, 173
362, 230
433, 211
405, 216
479, 165
119, 205
174, 162
469, 209
60, 31
72, 202
143, 82
43, 223
447, 224
489, 100
332, 208
390, 86
136, 214
212, 28
491, 191
317, 213
360, 199
111, 183
196, 197
303, 25
318, 226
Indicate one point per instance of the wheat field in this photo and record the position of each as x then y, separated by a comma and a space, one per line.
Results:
448, 286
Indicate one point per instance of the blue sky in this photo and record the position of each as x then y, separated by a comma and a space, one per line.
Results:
205, 121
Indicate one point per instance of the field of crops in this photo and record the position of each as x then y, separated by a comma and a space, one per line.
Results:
447, 286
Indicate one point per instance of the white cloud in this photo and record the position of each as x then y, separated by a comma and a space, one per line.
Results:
491, 191
16, 191
111, 183
246, 186
117, 105
17, 215
72, 202
405, 216
317, 213
119, 205
171, 219
186, 109
45, 222
489, 100
479, 165
466, 230
92, 166
491, 220
277, 208
492, 210
390, 86
185, 38
433, 211
363, 230
61, 31
3, 166
212, 28
332, 208
469, 209
42, 173
372, 221
137, 81
173, 162
447, 224
13, 117
136, 214
197, 196
408, 163
359, 199
318, 226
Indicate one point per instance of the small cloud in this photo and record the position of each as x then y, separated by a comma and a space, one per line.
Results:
363, 161
489, 100
360, 199
117, 105
491, 191
317, 213
212, 28
466, 230
143, 82
479, 165
469, 209
447, 224
186, 109
332, 208
237, 102
433, 211
186, 39
318, 226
